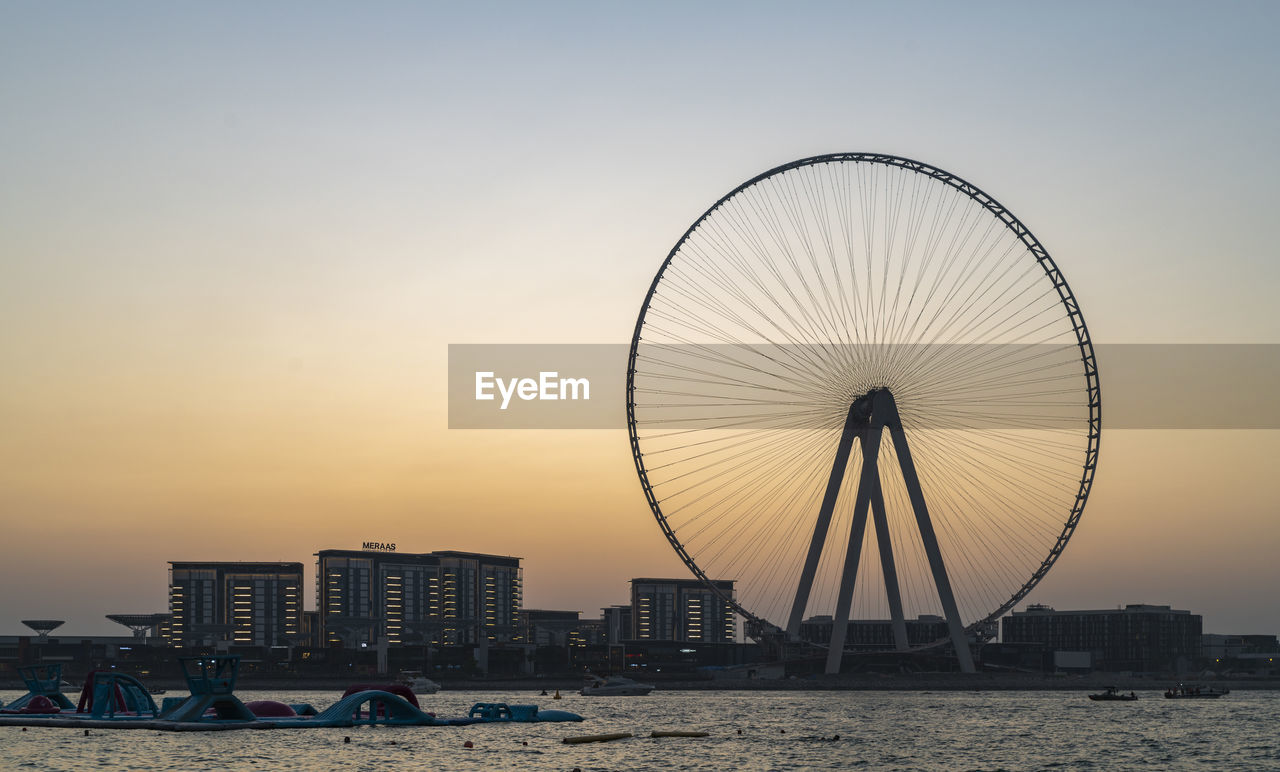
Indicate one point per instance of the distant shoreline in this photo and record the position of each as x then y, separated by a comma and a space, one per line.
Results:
910, 683
935, 682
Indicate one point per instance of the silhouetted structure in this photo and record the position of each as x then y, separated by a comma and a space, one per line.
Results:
1138, 637
617, 623
1215, 646
543, 627
1255, 655
875, 634
43, 627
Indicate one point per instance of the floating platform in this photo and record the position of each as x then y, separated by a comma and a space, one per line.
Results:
118, 701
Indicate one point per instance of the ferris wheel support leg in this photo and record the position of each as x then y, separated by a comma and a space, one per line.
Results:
866, 485
850, 431
887, 565
930, 541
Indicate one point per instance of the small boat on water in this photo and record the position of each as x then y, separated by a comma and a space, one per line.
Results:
1184, 692
419, 683
1112, 694
614, 686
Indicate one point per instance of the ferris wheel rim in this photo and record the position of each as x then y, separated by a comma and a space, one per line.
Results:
1051, 271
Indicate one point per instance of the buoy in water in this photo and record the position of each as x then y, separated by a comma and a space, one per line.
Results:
557, 695
468, 744
597, 738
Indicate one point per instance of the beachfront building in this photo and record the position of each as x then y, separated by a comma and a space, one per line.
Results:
545, 627
875, 634
437, 598
480, 592
681, 610
1254, 655
1138, 637
246, 604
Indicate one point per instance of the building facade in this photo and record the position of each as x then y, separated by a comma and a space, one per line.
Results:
1218, 647
480, 592
681, 610
616, 621
247, 604
544, 627
1138, 637
875, 634
436, 598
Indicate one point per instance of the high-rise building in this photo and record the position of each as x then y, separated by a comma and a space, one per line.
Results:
480, 588
1138, 637
440, 598
248, 604
681, 610
362, 595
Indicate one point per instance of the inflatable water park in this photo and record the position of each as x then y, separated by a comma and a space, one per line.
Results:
112, 700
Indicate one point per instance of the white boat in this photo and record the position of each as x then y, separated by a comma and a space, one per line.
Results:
420, 684
614, 686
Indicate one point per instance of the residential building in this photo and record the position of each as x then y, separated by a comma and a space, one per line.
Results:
437, 598
246, 604
480, 591
682, 610
364, 595
1138, 637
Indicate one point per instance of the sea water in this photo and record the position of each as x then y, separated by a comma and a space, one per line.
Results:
756, 730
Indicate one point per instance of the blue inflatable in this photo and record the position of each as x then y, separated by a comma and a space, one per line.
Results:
119, 701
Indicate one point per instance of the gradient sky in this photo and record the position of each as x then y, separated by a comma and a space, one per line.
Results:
236, 240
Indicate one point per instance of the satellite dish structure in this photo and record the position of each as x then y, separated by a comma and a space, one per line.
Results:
140, 624
43, 627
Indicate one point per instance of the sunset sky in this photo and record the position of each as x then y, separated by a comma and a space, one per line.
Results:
236, 241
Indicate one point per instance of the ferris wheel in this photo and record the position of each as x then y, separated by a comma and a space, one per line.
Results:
861, 337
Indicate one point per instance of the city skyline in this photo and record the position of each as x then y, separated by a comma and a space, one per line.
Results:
238, 242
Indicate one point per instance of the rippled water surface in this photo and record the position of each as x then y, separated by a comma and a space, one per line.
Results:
749, 730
